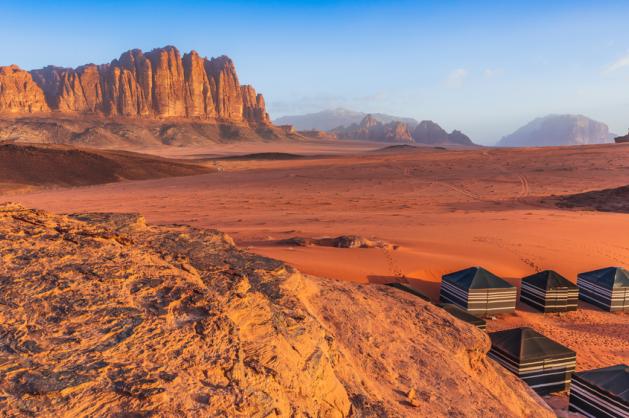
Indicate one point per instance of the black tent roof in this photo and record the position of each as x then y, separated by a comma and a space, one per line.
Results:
549, 279
526, 344
613, 380
462, 314
475, 278
608, 277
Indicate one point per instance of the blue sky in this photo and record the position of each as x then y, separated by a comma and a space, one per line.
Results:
483, 67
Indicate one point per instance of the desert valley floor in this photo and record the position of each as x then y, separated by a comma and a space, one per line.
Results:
442, 210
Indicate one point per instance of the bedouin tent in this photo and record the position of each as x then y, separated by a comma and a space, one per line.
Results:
478, 291
463, 315
408, 289
545, 365
548, 291
607, 288
601, 392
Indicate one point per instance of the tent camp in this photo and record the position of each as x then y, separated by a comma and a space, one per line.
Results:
478, 291
607, 288
408, 289
548, 291
545, 365
463, 315
601, 392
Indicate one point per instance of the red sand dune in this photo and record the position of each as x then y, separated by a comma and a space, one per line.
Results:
445, 209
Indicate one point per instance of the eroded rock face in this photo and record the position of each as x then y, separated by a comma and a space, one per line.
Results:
397, 132
103, 315
426, 132
128, 318
18, 92
372, 129
253, 105
159, 83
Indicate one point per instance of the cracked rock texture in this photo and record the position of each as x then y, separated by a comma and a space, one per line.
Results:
103, 315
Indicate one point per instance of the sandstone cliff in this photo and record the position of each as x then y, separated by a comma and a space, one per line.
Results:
18, 92
103, 315
157, 84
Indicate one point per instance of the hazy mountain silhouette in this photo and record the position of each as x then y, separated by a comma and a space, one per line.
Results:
558, 130
333, 118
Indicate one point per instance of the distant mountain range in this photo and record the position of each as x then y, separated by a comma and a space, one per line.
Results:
329, 119
426, 132
555, 130
348, 124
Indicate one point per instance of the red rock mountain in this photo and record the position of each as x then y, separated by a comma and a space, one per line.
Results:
426, 132
157, 84
18, 92
430, 133
372, 129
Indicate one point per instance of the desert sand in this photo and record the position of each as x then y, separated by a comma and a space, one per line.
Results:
444, 209
104, 315
35, 166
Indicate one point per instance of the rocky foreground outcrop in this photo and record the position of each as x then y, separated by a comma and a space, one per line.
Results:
103, 315
329, 119
158, 84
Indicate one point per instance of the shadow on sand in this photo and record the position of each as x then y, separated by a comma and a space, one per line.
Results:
429, 288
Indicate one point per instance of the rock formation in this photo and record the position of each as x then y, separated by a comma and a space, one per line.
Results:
458, 137
555, 130
397, 132
426, 132
372, 129
18, 92
327, 120
156, 84
317, 134
103, 315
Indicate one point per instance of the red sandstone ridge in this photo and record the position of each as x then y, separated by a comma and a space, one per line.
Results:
157, 84
18, 92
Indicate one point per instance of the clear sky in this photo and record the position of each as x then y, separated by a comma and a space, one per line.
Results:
483, 67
